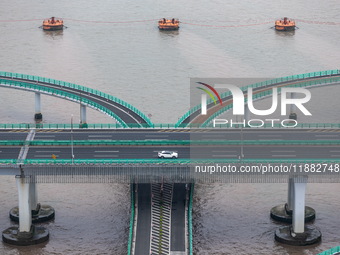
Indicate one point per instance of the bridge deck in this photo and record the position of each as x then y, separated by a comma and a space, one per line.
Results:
126, 114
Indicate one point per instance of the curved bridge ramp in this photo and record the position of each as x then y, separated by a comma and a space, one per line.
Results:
194, 118
125, 111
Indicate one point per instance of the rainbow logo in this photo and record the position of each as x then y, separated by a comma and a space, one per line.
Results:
210, 93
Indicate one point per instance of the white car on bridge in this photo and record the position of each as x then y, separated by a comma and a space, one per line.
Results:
167, 154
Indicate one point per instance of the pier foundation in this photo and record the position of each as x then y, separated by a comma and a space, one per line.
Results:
26, 233
39, 213
283, 212
298, 233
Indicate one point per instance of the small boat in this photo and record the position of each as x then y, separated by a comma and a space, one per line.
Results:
168, 24
285, 24
53, 24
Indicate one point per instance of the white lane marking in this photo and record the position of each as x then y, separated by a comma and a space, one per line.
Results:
270, 135
286, 156
334, 151
40, 136
269, 139
45, 151
283, 151
327, 135
105, 151
155, 139
324, 139
213, 135
99, 135
227, 156
156, 135
223, 151
105, 156
44, 156
335, 156
95, 139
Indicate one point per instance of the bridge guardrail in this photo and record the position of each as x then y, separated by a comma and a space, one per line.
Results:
262, 84
78, 87
72, 97
42, 126
132, 220
334, 250
190, 218
269, 92
166, 142
161, 161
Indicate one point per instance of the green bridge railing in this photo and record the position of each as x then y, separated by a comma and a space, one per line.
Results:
263, 84
161, 161
335, 250
77, 87
42, 126
164, 142
191, 200
63, 94
132, 219
269, 92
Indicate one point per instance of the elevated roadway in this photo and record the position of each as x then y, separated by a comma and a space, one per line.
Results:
260, 90
255, 151
123, 112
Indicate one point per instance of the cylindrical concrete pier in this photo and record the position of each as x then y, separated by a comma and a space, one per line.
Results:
25, 219
298, 234
26, 233
83, 123
246, 113
292, 113
39, 213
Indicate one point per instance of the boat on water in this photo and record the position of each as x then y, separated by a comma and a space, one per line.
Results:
168, 24
285, 24
53, 24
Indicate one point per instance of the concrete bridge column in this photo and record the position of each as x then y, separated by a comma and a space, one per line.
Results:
25, 220
33, 197
292, 114
246, 113
38, 115
82, 115
26, 233
289, 205
298, 233
299, 191
39, 213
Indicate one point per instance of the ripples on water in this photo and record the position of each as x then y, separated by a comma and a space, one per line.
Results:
234, 218
90, 218
151, 70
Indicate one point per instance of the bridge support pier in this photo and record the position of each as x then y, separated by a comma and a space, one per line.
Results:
39, 213
298, 233
83, 123
284, 212
292, 114
26, 233
246, 114
37, 115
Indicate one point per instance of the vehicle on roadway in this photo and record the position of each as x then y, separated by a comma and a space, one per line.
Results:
167, 154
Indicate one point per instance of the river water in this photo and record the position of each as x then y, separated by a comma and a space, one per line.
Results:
151, 70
